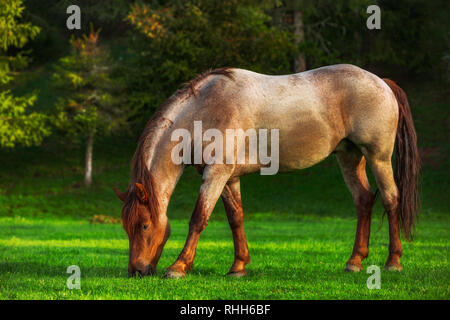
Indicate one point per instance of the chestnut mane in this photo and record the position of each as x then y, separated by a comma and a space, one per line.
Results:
190, 87
131, 215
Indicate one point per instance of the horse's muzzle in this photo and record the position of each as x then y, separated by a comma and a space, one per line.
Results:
141, 271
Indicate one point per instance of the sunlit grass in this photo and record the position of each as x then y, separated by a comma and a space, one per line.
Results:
290, 260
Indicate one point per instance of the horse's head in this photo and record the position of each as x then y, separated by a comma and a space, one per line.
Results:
147, 230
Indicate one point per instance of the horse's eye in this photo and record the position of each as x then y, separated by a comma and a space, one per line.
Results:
144, 226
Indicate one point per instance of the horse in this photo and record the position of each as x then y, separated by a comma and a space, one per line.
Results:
338, 109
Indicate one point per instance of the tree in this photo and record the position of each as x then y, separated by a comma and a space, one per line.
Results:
179, 39
336, 32
17, 124
87, 107
289, 15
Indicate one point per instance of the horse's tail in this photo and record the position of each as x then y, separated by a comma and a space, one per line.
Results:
407, 163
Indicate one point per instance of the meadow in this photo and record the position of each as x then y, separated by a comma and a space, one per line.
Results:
300, 228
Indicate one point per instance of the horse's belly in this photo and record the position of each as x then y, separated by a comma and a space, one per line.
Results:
305, 143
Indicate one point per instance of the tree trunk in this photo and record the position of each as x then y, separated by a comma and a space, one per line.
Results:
88, 164
299, 32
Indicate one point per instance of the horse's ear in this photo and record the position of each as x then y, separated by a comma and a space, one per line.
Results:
121, 195
141, 193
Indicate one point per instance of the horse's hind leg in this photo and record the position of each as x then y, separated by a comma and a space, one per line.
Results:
382, 170
353, 167
231, 196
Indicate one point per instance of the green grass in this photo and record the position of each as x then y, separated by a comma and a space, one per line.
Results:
300, 227
301, 259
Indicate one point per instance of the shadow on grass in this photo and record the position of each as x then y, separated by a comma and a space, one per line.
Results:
281, 264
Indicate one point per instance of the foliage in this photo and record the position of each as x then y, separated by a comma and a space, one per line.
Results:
86, 106
13, 33
109, 14
17, 124
160, 44
413, 35
181, 39
50, 15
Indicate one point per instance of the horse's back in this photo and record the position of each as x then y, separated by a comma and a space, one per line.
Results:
315, 110
317, 91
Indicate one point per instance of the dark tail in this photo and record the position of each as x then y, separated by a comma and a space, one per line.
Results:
407, 163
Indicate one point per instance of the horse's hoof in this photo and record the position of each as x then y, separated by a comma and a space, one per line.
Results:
237, 274
393, 267
352, 268
171, 274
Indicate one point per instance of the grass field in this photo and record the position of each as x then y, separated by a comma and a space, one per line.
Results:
300, 229
292, 259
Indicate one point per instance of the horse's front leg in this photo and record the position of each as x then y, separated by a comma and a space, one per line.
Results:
231, 196
213, 181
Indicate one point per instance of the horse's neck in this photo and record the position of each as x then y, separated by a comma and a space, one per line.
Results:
157, 144
159, 162
166, 175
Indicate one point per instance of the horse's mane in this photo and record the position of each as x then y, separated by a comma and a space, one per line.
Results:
140, 171
190, 87
142, 175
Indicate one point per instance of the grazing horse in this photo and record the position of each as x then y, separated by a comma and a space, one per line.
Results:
338, 109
